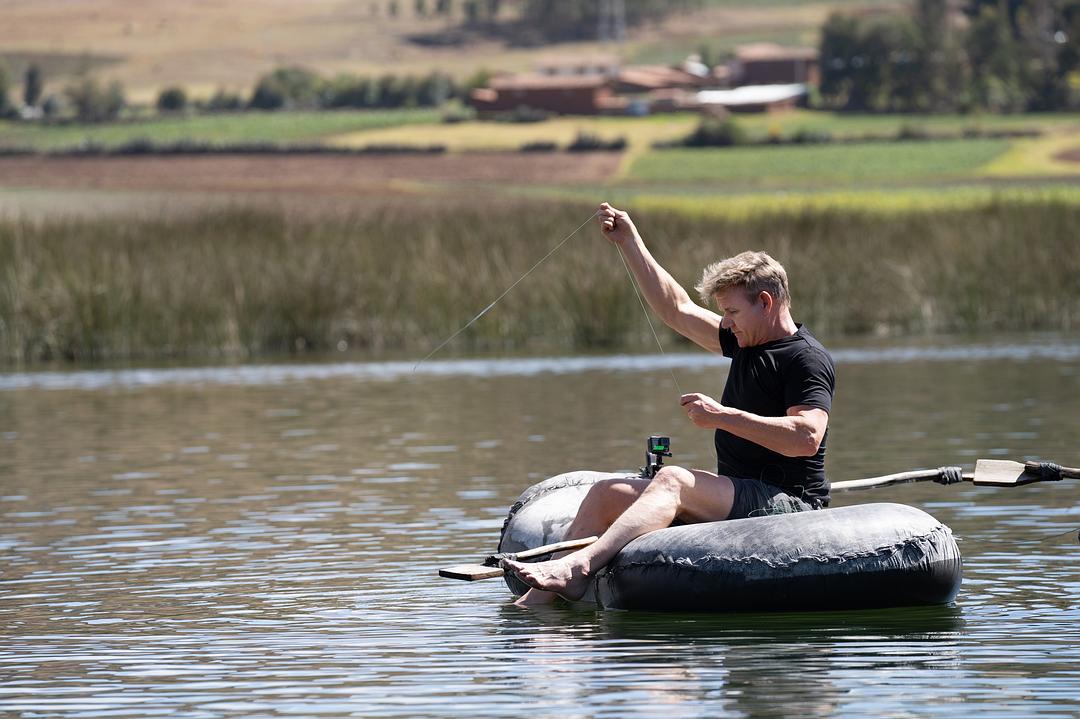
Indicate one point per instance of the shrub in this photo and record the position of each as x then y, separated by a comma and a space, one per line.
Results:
138, 146
805, 136
348, 91
458, 113
94, 103
6, 106
287, 87
434, 89
540, 146
522, 113
52, 107
908, 131
714, 132
587, 142
223, 101
402, 149
172, 99
33, 84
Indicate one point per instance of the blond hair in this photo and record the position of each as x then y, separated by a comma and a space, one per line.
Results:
755, 272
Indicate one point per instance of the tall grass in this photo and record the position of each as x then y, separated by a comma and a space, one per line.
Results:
397, 277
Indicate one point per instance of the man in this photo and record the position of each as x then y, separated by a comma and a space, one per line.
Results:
770, 424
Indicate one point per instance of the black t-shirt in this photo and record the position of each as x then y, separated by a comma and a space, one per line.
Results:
766, 380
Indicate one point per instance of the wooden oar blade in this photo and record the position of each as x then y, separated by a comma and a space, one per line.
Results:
470, 572
1003, 473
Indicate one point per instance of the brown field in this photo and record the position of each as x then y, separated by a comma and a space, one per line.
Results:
302, 174
206, 44
1069, 155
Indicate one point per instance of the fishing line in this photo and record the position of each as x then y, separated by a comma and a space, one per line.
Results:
507, 290
1063, 534
656, 337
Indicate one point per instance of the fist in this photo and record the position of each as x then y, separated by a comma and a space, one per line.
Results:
615, 224
703, 411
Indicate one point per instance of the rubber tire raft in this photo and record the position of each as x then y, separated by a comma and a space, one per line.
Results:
864, 556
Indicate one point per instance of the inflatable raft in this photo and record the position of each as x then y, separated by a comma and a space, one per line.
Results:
871, 555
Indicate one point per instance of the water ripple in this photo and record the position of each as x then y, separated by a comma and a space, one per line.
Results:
259, 375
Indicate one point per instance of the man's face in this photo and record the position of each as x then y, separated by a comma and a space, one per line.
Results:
745, 318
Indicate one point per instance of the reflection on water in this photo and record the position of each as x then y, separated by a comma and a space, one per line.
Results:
263, 541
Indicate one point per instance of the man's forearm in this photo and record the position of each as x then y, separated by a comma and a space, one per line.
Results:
791, 436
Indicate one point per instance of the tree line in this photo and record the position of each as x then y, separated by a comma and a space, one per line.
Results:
995, 55
87, 99
991, 55
300, 88
553, 19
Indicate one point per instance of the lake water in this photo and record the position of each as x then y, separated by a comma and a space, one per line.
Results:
263, 541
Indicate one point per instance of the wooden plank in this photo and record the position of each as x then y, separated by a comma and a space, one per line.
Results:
491, 569
552, 548
1001, 473
470, 572
1004, 473
889, 480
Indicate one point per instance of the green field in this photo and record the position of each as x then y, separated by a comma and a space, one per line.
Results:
860, 164
846, 125
739, 205
424, 126
643, 131
276, 127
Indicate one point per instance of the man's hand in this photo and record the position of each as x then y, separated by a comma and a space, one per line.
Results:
703, 410
616, 225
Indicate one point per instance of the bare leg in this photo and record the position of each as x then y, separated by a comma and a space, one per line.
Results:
605, 501
694, 495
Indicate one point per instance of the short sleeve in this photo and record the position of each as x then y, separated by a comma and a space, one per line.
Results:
729, 343
810, 380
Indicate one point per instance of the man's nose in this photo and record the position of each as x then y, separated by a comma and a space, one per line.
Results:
725, 323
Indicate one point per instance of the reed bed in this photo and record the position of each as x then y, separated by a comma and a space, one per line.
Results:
401, 278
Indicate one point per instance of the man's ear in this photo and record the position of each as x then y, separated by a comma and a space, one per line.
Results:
766, 300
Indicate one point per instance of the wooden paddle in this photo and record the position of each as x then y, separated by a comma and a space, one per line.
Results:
944, 475
988, 473
490, 568
1003, 473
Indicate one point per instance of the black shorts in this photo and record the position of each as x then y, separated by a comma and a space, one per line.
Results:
754, 498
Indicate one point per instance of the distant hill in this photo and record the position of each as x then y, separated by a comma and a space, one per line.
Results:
151, 44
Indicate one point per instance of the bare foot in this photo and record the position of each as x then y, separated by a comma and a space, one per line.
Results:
564, 577
535, 598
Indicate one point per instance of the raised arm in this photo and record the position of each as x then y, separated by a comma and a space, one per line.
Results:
665, 296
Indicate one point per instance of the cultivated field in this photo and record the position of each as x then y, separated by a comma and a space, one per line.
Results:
871, 163
270, 127
300, 174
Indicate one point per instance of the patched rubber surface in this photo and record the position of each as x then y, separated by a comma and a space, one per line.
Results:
872, 555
